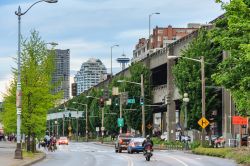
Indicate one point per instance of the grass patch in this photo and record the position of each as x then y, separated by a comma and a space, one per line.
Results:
240, 155
28, 154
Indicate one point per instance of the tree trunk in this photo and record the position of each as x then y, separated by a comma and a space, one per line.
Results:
28, 142
33, 143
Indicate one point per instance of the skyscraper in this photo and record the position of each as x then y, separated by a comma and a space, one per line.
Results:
62, 72
91, 73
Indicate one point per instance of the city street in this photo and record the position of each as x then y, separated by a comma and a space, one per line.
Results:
91, 154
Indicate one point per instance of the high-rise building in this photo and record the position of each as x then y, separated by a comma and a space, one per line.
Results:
160, 38
91, 73
62, 72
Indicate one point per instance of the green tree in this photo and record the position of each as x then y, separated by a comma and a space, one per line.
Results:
232, 32
187, 75
36, 77
134, 118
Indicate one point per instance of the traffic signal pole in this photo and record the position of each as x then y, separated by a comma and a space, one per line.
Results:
143, 107
102, 124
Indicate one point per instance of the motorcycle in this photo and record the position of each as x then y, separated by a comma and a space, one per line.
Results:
148, 153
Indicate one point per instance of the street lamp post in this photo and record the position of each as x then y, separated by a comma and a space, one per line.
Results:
142, 105
203, 100
19, 13
186, 100
102, 128
56, 125
149, 28
116, 45
63, 118
86, 114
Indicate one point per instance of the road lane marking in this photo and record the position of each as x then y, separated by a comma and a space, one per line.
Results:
130, 162
177, 160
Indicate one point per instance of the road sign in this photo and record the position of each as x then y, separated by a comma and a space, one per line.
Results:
131, 101
120, 122
102, 128
97, 129
203, 122
239, 120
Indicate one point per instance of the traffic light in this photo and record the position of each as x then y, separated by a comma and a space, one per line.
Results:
74, 89
106, 94
142, 101
116, 101
101, 102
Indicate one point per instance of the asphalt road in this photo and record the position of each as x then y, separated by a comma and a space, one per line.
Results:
90, 154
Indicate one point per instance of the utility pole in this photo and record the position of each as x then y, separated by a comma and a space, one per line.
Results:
120, 110
57, 135
143, 107
203, 96
102, 123
63, 124
77, 130
87, 136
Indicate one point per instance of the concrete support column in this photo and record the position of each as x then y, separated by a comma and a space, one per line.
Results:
164, 122
228, 110
171, 120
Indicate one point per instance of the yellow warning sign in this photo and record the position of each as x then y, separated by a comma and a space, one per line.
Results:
203, 122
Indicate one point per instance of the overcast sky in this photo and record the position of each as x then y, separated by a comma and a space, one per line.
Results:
89, 27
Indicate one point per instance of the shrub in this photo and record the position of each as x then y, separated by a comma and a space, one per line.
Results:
195, 144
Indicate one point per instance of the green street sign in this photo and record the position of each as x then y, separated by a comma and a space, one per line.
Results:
131, 101
120, 122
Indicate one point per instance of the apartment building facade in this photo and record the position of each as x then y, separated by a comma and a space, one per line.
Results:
61, 76
91, 73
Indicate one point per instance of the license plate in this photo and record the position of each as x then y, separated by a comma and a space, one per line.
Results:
148, 151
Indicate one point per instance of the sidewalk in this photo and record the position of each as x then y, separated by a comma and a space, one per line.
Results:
7, 151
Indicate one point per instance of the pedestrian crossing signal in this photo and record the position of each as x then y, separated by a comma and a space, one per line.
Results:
101, 102
142, 101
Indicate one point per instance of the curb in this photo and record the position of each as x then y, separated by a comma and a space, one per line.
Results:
43, 156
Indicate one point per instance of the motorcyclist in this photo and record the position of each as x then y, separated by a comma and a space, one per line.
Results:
147, 142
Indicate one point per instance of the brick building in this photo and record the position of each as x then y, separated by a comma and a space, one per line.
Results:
161, 37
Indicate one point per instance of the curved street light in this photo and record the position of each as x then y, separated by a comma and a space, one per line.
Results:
18, 151
142, 98
149, 28
86, 114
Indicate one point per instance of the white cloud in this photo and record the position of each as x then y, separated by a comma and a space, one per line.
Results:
89, 27
135, 33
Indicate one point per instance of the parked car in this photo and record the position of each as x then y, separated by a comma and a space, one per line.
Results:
185, 138
122, 142
219, 142
135, 145
244, 138
63, 141
165, 138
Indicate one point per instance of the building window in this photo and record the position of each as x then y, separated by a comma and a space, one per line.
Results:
159, 38
160, 31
